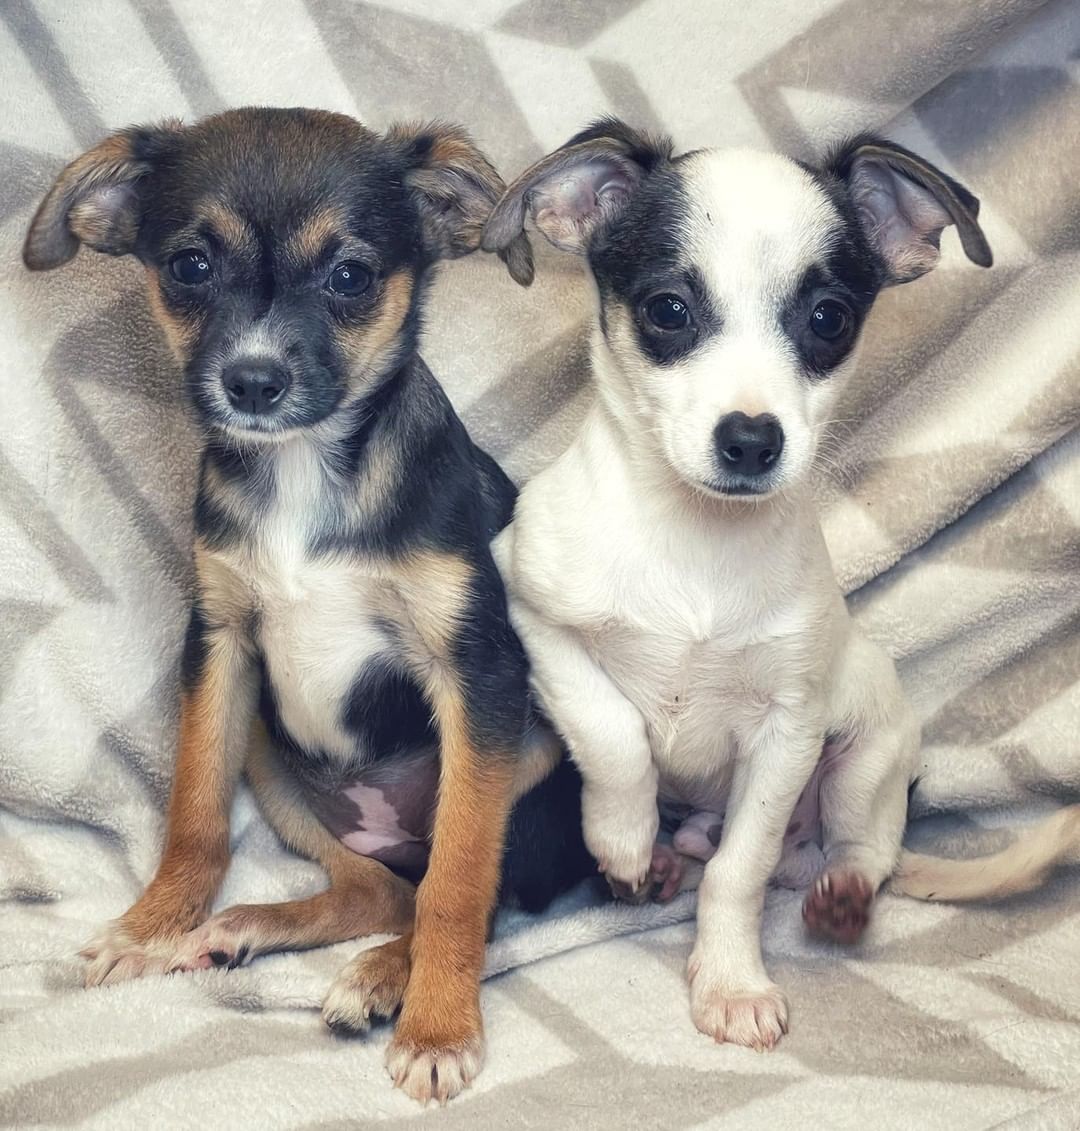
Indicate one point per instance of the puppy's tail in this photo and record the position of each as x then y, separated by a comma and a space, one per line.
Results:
1023, 866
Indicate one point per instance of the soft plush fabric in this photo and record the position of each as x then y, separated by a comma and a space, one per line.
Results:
952, 507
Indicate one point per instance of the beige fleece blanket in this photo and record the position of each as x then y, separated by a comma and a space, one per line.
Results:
952, 509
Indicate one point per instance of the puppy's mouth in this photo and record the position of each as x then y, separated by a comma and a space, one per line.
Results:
250, 427
741, 486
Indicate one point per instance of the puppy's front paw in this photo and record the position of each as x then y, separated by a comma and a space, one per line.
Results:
754, 1017
371, 985
115, 955
225, 940
620, 835
838, 905
428, 1063
434, 1073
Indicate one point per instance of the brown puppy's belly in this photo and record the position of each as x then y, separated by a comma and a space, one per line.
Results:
384, 810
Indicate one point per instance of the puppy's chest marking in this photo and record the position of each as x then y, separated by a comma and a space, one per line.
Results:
318, 619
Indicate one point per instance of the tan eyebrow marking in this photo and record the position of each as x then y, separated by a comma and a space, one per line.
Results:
232, 229
308, 241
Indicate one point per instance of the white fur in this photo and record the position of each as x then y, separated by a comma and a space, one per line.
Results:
317, 619
694, 645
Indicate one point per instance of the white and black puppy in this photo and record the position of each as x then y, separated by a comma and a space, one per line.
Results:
668, 574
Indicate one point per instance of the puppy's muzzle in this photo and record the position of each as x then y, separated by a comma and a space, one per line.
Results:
748, 447
255, 386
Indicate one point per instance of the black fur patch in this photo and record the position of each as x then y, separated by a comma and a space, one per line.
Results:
545, 849
195, 648
387, 711
852, 273
638, 257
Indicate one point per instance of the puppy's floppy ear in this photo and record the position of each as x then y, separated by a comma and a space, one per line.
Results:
455, 188
580, 187
95, 200
904, 203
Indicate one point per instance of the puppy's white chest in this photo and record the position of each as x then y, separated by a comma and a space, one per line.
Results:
699, 673
319, 618
317, 627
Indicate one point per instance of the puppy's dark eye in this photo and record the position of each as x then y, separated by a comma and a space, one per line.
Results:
667, 312
190, 267
830, 321
349, 279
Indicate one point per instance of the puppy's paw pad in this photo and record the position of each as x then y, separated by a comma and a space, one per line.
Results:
627, 893
220, 941
438, 1074
837, 906
666, 872
372, 985
756, 1020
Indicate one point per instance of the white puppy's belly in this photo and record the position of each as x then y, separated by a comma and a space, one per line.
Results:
686, 695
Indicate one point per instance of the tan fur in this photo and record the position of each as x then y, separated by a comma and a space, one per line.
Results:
180, 333
367, 344
231, 228
434, 587
540, 756
373, 983
65, 217
226, 597
1023, 866
452, 159
457, 895
307, 242
214, 721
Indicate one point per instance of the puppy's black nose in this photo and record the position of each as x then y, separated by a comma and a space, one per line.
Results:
749, 445
255, 386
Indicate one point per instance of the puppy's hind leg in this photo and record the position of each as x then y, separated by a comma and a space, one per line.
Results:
364, 896
863, 799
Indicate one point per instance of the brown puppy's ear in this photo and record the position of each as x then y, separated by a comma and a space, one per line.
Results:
904, 203
455, 187
579, 188
94, 200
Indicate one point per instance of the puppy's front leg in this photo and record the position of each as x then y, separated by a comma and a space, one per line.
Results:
732, 998
215, 719
478, 686
607, 738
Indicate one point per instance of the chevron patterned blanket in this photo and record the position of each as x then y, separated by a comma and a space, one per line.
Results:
952, 508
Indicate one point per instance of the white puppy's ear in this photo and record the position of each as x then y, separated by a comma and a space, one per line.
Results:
904, 203
579, 188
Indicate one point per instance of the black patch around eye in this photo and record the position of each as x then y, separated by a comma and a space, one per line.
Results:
190, 267
824, 316
349, 279
635, 263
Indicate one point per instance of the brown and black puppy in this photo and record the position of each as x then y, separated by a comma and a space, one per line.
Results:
345, 587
